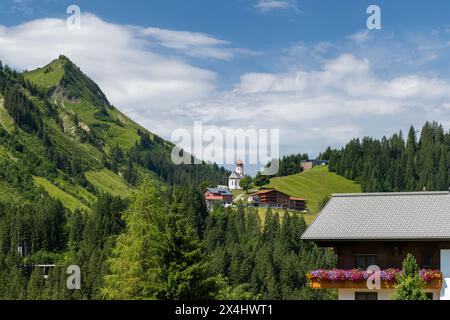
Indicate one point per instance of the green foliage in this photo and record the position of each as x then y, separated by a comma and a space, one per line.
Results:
159, 255
410, 285
290, 164
314, 185
266, 259
410, 266
159, 162
64, 146
261, 180
77, 85
246, 183
324, 202
393, 164
62, 129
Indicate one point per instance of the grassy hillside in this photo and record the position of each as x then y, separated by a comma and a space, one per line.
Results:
69, 201
314, 185
5, 119
59, 133
108, 181
48, 76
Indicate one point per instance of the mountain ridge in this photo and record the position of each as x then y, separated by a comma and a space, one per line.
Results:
59, 134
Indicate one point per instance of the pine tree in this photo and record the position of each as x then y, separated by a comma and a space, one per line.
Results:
159, 256
442, 173
410, 171
129, 261
36, 284
410, 285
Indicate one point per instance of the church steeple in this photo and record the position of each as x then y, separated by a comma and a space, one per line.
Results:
240, 167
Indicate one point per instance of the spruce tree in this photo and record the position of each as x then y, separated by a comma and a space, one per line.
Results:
410, 285
159, 256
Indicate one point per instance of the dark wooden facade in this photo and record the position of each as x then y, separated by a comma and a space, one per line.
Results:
298, 204
386, 254
273, 198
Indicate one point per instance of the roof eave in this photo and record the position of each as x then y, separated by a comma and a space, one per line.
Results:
376, 239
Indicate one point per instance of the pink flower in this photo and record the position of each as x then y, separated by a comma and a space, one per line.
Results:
388, 275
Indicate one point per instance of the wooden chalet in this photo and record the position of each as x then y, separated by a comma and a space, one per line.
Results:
380, 229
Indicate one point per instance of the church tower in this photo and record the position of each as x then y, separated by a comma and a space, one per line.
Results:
240, 167
236, 176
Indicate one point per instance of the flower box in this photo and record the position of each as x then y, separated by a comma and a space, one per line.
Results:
357, 279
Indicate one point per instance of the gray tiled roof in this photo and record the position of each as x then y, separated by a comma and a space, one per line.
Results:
235, 175
225, 192
383, 216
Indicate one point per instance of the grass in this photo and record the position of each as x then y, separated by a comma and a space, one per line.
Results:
314, 185
236, 192
67, 200
47, 77
125, 136
107, 181
120, 129
5, 119
76, 190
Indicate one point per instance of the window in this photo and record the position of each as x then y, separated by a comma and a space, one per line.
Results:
427, 260
362, 261
366, 296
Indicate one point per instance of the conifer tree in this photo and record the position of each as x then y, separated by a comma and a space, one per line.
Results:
159, 256
410, 285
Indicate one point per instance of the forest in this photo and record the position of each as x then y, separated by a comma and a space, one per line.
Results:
396, 163
161, 244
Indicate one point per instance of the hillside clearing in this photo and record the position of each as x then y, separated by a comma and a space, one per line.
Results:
314, 185
67, 200
107, 181
5, 119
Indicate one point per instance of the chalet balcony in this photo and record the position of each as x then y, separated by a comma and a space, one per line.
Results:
357, 279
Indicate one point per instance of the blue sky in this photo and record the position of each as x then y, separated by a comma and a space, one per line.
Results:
241, 23
309, 68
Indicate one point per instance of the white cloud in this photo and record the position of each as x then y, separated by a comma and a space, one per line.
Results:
192, 43
140, 82
361, 36
341, 100
266, 6
340, 96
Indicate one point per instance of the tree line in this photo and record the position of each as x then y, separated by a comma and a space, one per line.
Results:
396, 163
161, 244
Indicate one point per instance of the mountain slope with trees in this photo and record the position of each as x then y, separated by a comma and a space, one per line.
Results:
84, 185
59, 134
395, 163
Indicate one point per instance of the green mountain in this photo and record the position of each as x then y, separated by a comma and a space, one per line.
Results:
60, 134
314, 185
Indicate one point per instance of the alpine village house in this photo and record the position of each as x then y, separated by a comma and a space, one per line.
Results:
380, 229
264, 198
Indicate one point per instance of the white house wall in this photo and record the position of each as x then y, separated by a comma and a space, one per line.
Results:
445, 269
